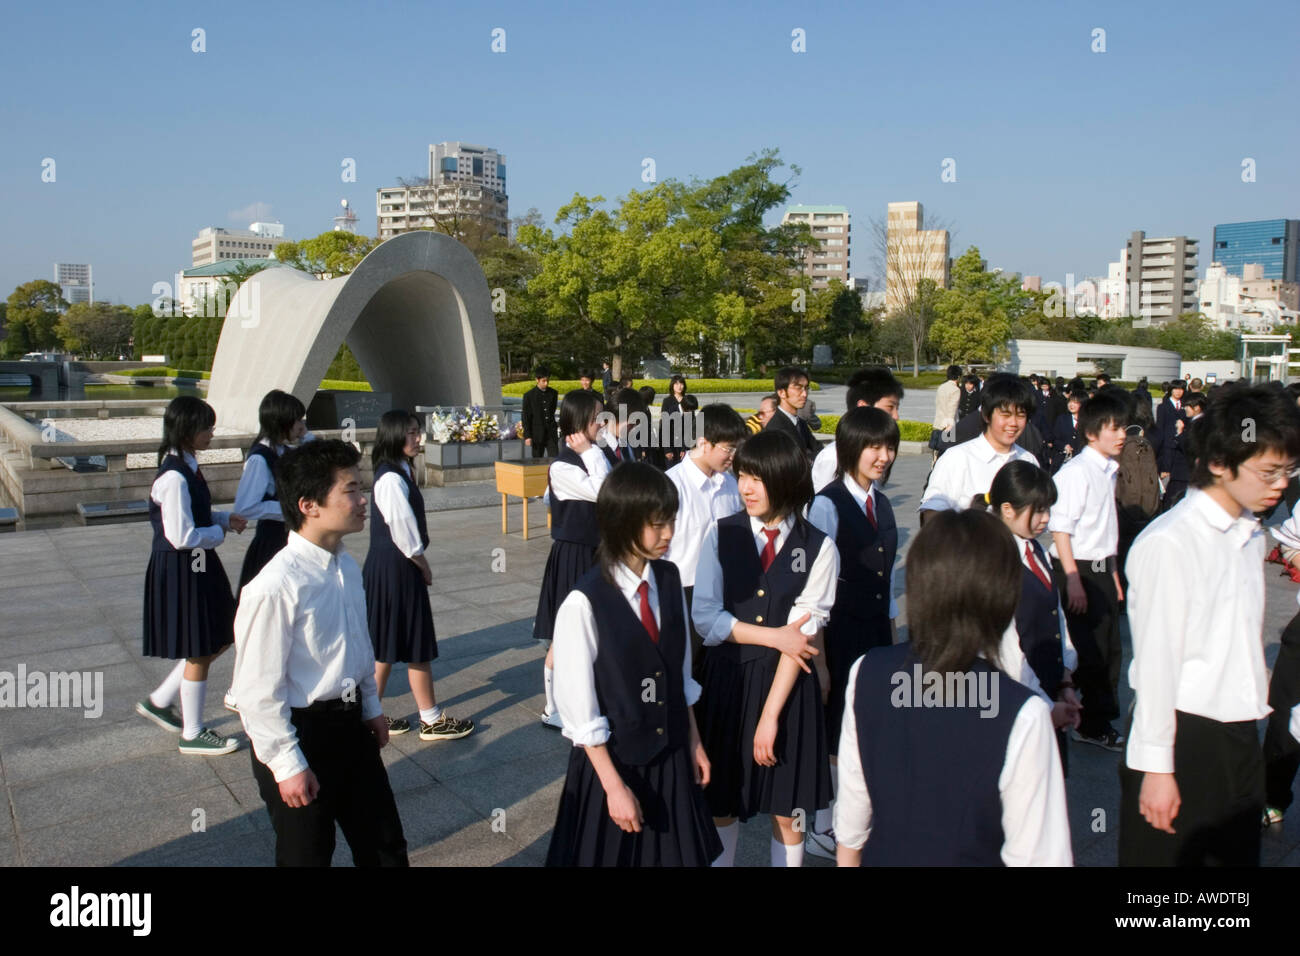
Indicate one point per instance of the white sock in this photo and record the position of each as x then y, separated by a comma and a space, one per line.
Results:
165, 694
787, 854
730, 836
430, 715
192, 694
548, 678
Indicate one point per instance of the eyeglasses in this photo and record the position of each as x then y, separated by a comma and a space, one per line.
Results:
1274, 475
727, 450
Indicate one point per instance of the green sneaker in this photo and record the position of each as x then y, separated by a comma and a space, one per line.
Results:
209, 743
446, 727
168, 718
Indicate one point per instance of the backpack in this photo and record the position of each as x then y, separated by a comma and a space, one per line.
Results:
1137, 486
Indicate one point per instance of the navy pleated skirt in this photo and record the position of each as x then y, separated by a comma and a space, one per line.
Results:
187, 612
267, 541
567, 562
397, 609
847, 639
735, 687
676, 828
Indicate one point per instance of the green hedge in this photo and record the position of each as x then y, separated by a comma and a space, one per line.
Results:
339, 385
694, 386
166, 372
907, 430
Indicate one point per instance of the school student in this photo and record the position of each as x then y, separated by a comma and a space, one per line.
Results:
1066, 440
1192, 781
873, 387
305, 674
629, 438
1281, 747
853, 512
764, 587
397, 578
706, 492
966, 470
791, 387
901, 748
189, 611
1085, 539
1175, 469
632, 795
575, 478
672, 428
538, 415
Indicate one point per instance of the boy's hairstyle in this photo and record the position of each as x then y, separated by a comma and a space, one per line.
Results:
690, 403
870, 385
1142, 382
1179, 384
1005, 392
625, 381
1079, 396
1103, 379
963, 581
971, 380
722, 425
1241, 422
1060, 383
1104, 408
954, 372
310, 471
1020, 484
277, 415
773, 458
634, 495
628, 402
577, 410
541, 372
774, 399
1194, 400
786, 375
390, 438
587, 373
1293, 389
647, 394
185, 417
859, 428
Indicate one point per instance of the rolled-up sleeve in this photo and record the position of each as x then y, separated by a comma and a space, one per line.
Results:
575, 677
690, 686
852, 799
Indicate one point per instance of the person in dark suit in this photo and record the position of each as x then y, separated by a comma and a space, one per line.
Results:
1066, 440
539, 415
1171, 409
606, 379
1175, 469
586, 382
1143, 394
630, 437
792, 391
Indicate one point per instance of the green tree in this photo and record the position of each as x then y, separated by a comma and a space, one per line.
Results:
97, 329
31, 315
333, 253
971, 316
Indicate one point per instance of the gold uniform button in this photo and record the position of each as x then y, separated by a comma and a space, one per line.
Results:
759, 619
661, 703
878, 597
761, 592
659, 730
881, 550
880, 574
659, 673
1056, 637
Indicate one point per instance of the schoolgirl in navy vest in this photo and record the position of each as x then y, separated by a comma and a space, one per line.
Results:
396, 577
633, 792
854, 513
189, 612
575, 478
764, 587
944, 759
1022, 495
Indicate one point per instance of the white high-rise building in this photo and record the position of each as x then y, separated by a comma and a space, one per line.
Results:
1239, 303
214, 244
75, 279
465, 182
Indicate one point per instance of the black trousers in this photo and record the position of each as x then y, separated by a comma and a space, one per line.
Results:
354, 792
545, 444
1220, 774
1095, 634
1281, 750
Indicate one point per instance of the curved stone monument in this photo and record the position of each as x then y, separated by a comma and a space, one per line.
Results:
415, 312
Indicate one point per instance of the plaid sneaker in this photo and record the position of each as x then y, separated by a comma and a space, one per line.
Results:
446, 727
209, 743
397, 725
168, 718
1272, 816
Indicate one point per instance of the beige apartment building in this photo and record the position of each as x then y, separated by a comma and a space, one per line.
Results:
912, 253
464, 181
215, 244
828, 258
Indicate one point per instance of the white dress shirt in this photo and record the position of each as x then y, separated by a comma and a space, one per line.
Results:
964, 471
255, 484
1196, 612
300, 636
576, 647
701, 500
817, 597
395, 505
1035, 827
570, 483
826, 518
1085, 506
824, 465
172, 495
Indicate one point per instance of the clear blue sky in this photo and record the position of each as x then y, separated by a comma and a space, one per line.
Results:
1060, 152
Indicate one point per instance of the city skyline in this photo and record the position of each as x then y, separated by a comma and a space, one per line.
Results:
1057, 151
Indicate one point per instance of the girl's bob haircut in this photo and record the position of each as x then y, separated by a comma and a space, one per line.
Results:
774, 459
390, 438
1021, 484
578, 409
860, 428
634, 495
185, 417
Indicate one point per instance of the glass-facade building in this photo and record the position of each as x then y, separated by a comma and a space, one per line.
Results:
1273, 243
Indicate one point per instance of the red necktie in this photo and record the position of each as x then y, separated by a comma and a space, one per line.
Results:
769, 549
618, 452
647, 615
871, 512
1036, 567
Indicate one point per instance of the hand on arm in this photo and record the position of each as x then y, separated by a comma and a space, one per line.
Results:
788, 639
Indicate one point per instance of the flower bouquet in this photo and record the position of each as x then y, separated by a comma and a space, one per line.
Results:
470, 424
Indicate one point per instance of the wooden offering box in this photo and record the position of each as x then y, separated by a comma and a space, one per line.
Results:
522, 481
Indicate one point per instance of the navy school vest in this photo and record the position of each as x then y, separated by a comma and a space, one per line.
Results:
268, 455
1039, 627
932, 772
638, 682
381, 538
200, 502
866, 555
756, 596
573, 520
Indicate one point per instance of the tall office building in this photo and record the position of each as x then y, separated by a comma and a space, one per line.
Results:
465, 181
214, 244
912, 253
1162, 272
828, 257
1272, 243
75, 279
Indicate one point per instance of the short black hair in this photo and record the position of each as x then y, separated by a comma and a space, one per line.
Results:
1077, 396
954, 372
690, 403
309, 471
1005, 392
870, 385
185, 417
1179, 384
862, 427
1241, 422
647, 394
971, 380
541, 372
772, 457
587, 373
1102, 379
1022, 484
390, 438
721, 424
1104, 408
674, 380
786, 375
276, 416
577, 410
1194, 400
963, 583
635, 494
